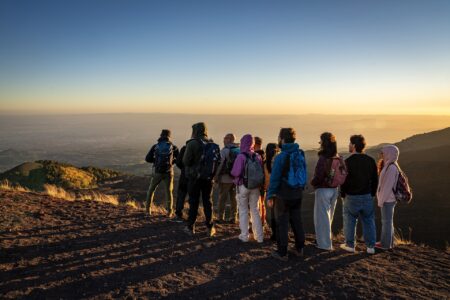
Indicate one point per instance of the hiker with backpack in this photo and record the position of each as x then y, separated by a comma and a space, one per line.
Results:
272, 151
329, 174
163, 156
182, 190
285, 193
201, 160
393, 186
262, 207
249, 177
227, 189
358, 191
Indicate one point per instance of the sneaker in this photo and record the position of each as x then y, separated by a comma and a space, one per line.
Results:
379, 246
243, 240
297, 252
277, 255
370, 250
177, 219
212, 231
347, 248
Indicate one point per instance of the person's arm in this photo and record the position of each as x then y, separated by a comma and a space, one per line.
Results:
150, 157
387, 184
223, 155
179, 160
238, 166
188, 157
176, 152
319, 172
374, 178
343, 187
275, 176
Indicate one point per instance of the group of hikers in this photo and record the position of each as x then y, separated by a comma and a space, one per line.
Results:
267, 187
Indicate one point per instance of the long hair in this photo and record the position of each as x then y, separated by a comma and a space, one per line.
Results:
328, 145
271, 150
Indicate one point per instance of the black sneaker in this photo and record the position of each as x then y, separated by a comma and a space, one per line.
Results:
189, 231
177, 219
297, 252
277, 255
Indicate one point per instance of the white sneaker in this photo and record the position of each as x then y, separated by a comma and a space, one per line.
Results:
347, 248
370, 250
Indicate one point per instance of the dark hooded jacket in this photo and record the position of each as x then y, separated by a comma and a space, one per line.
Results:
150, 157
194, 149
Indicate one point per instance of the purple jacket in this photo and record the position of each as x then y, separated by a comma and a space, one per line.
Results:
247, 143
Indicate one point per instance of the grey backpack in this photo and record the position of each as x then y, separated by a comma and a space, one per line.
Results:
253, 172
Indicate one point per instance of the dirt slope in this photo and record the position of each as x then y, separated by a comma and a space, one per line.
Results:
52, 248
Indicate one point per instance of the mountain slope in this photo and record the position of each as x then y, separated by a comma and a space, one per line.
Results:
52, 248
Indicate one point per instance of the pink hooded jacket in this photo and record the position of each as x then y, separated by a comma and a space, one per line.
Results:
388, 175
247, 144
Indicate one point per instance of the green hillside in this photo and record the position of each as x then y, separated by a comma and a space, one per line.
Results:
34, 175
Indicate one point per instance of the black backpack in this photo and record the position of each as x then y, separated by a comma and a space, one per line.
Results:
209, 161
163, 157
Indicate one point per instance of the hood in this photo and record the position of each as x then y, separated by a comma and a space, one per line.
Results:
163, 139
290, 147
199, 130
390, 154
247, 143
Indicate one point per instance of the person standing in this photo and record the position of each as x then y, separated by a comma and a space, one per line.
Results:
182, 190
248, 176
262, 207
227, 189
163, 156
285, 193
358, 191
389, 172
325, 193
272, 151
200, 160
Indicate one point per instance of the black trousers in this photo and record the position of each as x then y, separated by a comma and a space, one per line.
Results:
200, 188
284, 214
182, 192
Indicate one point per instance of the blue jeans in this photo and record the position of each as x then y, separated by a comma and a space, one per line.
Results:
324, 205
359, 206
387, 225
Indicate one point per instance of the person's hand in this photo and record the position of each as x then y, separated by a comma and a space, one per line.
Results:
270, 203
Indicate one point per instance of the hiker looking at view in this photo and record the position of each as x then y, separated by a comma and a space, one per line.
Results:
201, 160
329, 174
389, 171
262, 208
163, 156
249, 177
227, 189
285, 193
272, 151
358, 191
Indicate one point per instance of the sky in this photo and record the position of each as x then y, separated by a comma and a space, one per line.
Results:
225, 57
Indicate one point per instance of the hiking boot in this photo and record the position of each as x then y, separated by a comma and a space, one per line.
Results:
347, 248
212, 231
189, 231
277, 255
370, 250
177, 219
297, 252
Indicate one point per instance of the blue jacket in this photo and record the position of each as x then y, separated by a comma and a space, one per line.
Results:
277, 169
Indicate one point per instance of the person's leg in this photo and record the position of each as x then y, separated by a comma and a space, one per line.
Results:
282, 220
387, 228
295, 215
167, 180
233, 202
223, 195
322, 207
181, 195
262, 207
368, 221
194, 199
154, 182
206, 188
242, 196
350, 218
254, 196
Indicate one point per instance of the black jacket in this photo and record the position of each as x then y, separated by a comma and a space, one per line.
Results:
362, 176
150, 157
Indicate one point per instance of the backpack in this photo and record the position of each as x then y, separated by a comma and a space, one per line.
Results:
402, 191
293, 178
253, 172
209, 161
163, 157
338, 172
229, 161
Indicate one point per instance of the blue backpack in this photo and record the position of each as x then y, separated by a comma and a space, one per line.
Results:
163, 157
209, 161
295, 176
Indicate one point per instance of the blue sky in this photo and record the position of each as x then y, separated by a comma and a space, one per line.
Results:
214, 56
